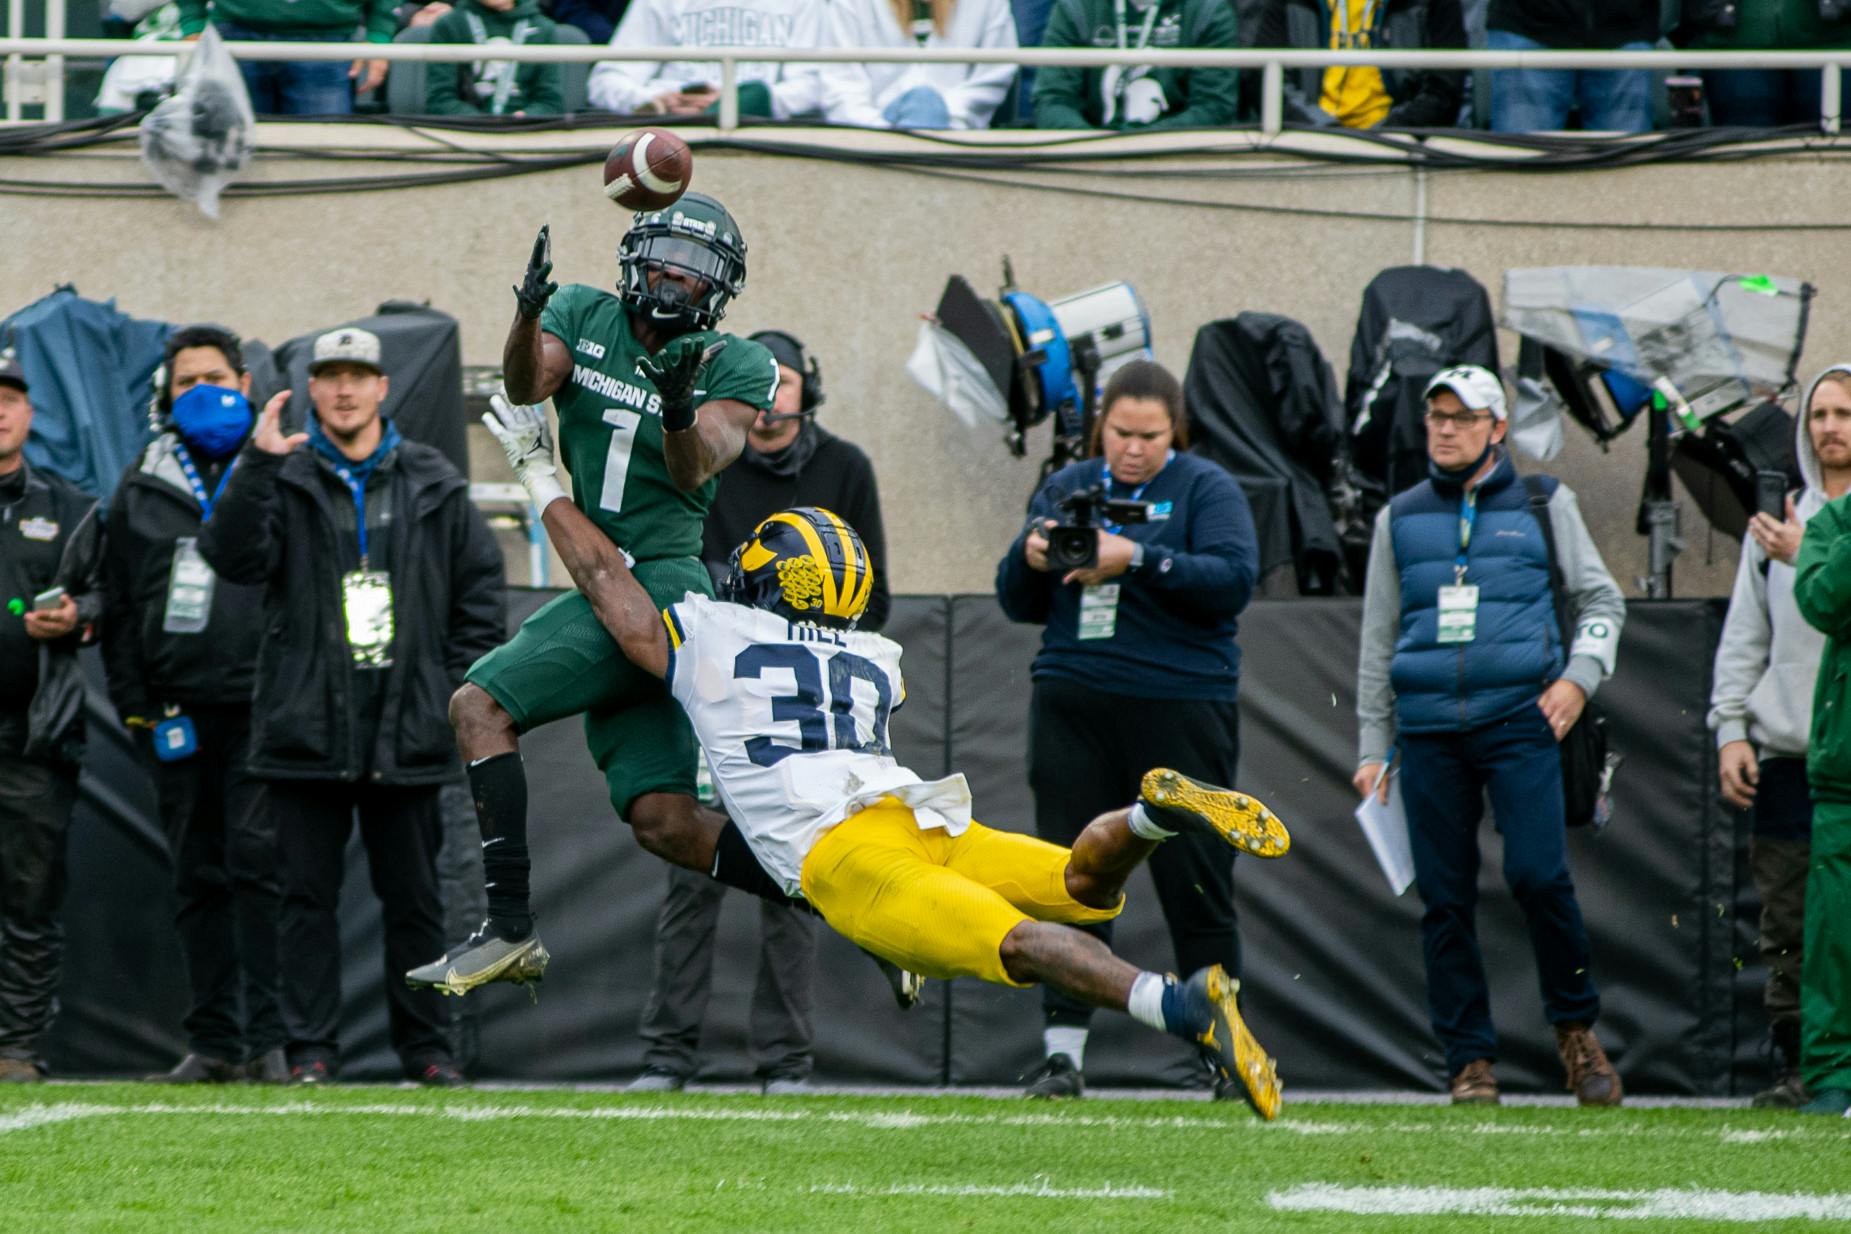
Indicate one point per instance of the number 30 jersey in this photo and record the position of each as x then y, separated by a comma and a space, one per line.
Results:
793, 719
610, 423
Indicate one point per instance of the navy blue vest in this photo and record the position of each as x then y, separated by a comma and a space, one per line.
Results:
1517, 650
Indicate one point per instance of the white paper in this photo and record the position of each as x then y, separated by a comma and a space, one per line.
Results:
1386, 828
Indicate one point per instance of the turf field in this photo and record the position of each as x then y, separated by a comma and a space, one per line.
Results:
122, 1157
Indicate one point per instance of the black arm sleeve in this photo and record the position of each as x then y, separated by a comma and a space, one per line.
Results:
244, 540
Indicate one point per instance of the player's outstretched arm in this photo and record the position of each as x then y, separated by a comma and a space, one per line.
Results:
534, 363
698, 454
598, 568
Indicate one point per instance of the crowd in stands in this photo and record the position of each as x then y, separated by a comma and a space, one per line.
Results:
973, 96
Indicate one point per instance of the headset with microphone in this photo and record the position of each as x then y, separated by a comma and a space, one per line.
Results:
807, 368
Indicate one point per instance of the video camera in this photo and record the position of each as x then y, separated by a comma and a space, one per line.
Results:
1074, 544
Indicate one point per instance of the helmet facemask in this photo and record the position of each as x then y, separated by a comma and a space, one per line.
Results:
689, 244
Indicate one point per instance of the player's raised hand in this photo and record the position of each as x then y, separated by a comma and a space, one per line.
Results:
268, 436
528, 442
675, 371
537, 287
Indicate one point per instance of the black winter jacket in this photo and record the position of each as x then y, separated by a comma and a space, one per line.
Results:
65, 549
1577, 24
1422, 98
276, 526
148, 667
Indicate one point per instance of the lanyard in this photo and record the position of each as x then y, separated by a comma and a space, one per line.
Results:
1468, 514
199, 489
1137, 494
1344, 38
1150, 23
358, 489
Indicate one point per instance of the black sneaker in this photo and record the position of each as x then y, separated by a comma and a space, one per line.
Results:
270, 1067
198, 1069
1055, 1079
1179, 803
1215, 1024
442, 1075
314, 1072
484, 957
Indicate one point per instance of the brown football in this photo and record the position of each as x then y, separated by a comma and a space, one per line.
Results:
648, 170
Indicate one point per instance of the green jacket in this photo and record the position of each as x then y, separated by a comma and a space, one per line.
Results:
455, 90
1067, 98
336, 19
1761, 25
1822, 590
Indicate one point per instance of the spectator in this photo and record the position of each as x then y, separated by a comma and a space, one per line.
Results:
788, 461
1761, 707
1138, 668
688, 87
179, 658
493, 87
1539, 100
597, 18
917, 96
1822, 592
50, 555
1139, 98
299, 87
381, 585
1456, 690
1764, 98
1365, 97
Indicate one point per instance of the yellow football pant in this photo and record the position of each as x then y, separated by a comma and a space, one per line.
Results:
935, 904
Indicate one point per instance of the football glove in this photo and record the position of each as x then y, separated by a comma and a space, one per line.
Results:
536, 288
528, 443
674, 371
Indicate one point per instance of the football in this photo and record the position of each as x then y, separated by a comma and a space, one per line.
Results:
648, 170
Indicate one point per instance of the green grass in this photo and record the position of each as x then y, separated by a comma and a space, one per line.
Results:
384, 1159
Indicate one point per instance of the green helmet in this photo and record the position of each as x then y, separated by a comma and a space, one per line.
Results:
694, 236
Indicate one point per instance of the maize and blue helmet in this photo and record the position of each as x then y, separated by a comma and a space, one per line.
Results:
805, 564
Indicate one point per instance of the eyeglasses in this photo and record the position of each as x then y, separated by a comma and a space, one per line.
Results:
1457, 419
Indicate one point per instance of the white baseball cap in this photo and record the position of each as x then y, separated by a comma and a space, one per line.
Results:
1478, 388
347, 345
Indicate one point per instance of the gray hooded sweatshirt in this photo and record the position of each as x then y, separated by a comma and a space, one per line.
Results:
1769, 657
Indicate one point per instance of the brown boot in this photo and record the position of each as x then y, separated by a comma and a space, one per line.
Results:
1591, 1078
1475, 1085
19, 1071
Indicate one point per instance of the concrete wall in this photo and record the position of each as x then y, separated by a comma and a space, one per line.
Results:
847, 256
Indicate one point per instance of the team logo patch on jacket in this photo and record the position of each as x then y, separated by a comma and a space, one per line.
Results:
38, 529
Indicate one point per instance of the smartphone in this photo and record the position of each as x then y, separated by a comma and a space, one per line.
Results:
48, 600
1771, 494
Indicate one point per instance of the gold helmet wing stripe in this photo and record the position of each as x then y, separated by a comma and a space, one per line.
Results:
853, 563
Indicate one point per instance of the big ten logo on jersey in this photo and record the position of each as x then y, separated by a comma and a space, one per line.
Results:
587, 347
838, 700
626, 393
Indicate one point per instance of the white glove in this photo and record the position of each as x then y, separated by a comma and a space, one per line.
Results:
528, 443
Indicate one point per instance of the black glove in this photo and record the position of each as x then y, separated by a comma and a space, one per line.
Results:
536, 289
673, 371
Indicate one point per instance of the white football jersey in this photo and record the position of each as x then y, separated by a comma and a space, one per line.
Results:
793, 720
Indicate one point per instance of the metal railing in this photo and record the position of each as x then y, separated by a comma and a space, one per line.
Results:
21, 53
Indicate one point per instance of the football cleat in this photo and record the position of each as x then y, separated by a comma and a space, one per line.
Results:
908, 987
483, 957
1181, 804
1055, 1079
1215, 1023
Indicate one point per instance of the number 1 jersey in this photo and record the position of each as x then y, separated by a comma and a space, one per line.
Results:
793, 719
610, 422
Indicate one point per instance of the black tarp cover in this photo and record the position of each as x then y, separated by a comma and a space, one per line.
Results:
1334, 983
1262, 403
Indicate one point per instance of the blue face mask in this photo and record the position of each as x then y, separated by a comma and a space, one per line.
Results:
212, 419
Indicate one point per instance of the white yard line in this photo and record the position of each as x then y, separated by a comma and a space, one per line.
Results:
911, 1119
1747, 1207
1040, 1189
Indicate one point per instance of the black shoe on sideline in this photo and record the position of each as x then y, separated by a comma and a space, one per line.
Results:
442, 1075
310, 1073
198, 1069
1057, 1078
270, 1067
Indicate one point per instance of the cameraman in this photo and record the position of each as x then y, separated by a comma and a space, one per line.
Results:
1138, 667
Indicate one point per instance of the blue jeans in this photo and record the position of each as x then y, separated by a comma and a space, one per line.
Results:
922, 107
1444, 780
294, 87
1762, 98
1539, 100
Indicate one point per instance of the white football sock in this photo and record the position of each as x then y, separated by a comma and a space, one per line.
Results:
1060, 1039
1144, 826
1146, 1002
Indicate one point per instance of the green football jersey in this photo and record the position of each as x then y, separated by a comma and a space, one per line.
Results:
610, 423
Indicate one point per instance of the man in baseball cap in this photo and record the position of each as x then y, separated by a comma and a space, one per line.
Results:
11, 374
1466, 418
348, 345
